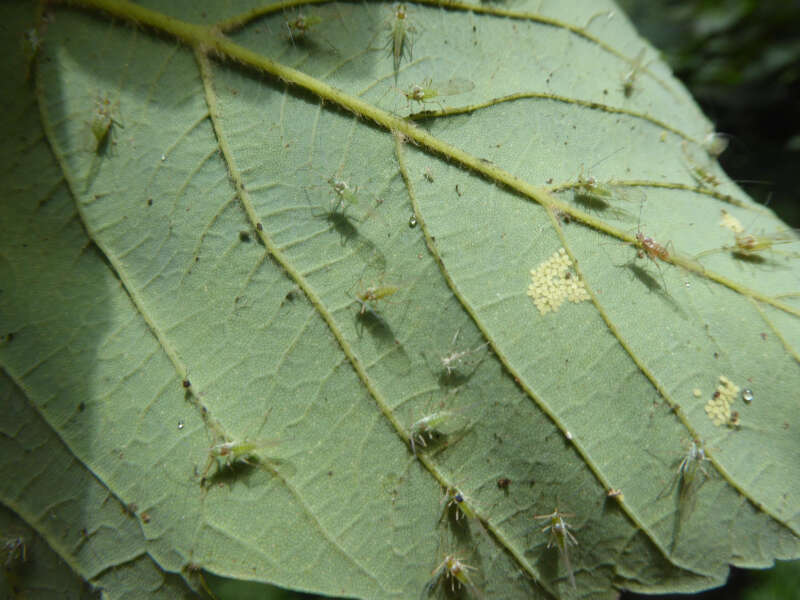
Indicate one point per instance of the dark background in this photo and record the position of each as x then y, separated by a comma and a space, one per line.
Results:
740, 60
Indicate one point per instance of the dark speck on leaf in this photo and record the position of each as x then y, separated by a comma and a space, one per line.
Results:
259, 227
186, 384
244, 236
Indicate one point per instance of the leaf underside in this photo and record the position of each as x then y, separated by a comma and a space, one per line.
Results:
192, 279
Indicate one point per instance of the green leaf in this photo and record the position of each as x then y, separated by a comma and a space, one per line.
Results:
234, 259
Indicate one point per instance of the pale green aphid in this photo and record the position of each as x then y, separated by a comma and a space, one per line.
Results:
560, 537
399, 39
458, 358
429, 90
687, 475
228, 453
102, 121
700, 173
629, 80
426, 429
300, 25
456, 571
592, 192
604, 193
346, 195
460, 504
372, 294
749, 245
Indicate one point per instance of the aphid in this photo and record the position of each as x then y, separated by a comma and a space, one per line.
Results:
700, 173
399, 39
651, 248
426, 92
749, 245
456, 571
300, 25
228, 453
629, 80
460, 504
372, 294
597, 195
456, 358
686, 477
426, 429
345, 195
560, 537
102, 122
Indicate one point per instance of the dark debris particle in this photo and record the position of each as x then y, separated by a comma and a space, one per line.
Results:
244, 236
503, 483
82, 406
186, 383
259, 227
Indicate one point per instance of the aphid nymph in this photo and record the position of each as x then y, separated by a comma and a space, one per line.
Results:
428, 91
629, 80
454, 570
560, 537
368, 297
300, 25
426, 429
102, 122
455, 498
399, 40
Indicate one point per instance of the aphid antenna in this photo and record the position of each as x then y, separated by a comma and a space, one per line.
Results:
609, 14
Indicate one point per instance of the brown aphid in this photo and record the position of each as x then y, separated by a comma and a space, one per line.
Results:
651, 248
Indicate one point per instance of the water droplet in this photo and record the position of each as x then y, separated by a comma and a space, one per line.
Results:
412, 222
747, 395
180, 424
163, 157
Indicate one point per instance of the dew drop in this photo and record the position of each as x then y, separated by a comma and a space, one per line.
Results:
180, 424
747, 395
163, 157
412, 222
